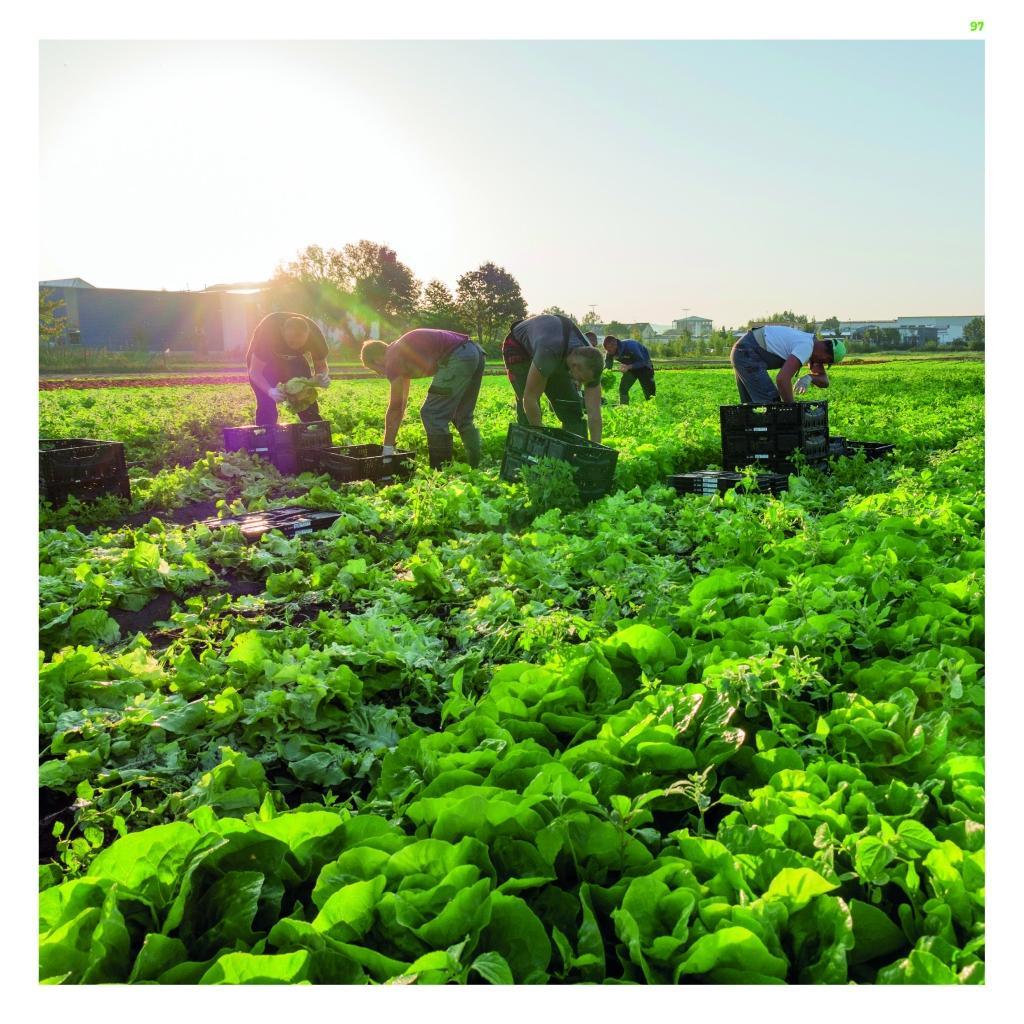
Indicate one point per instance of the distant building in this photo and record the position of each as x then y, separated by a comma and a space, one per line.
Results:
218, 319
645, 331
698, 327
943, 329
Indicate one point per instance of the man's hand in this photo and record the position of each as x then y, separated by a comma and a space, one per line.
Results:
276, 395
322, 380
802, 384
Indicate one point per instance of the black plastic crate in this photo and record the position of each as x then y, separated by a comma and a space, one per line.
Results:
71, 460
312, 434
811, 415
87, 490
740, 447
347, 463
593, 464
763, 449
279, 444
290, 521
872, 449
255, 439
82, 468
713, 481
291, 440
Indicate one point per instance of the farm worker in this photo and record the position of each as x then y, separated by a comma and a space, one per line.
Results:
592, 338
548, 355
775, 347
635, 362
457, 365
280, 348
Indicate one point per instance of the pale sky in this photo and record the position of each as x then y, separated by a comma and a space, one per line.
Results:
726, 179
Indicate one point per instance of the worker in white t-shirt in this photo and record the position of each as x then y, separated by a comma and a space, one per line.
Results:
775, 347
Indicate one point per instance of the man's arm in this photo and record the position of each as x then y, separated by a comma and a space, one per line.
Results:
256, 368
784, 380
535, 384
592, 401
396, 409
818, 375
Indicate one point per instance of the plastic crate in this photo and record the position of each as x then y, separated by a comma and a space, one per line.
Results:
280, 443
712, 481
312, 434
812, 415
82, 468
290, 440
75, 459
256, 440
290, 521
593, 464
872, 449
87, 490
766, 449
347, 463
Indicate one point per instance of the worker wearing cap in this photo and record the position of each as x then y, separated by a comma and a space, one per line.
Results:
282, 347
776, 347
548, 355
457, 365
636, 365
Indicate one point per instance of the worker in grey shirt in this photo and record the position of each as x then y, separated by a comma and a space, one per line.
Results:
548, 355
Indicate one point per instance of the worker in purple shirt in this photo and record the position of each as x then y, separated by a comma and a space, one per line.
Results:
281, 347
457, 365
636, 365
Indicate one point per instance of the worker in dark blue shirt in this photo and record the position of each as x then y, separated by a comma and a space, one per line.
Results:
636, 365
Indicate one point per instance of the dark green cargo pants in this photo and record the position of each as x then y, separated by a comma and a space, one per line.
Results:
561, 392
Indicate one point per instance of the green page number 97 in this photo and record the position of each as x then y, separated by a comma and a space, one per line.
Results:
977, 26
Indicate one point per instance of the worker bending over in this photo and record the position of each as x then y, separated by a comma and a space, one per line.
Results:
775, 347
457, 365
282, 347
548, 355
635, 362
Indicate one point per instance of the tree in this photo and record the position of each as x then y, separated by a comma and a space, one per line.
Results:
974, 333
800, 321
590, 319
364, 279
489, 299
831, 324
380, 280
439, 309
314, 283
314, 265
51, 322
618, 328
558, 311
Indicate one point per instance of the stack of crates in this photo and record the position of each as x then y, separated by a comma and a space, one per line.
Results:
348, 463
713, 481
593, 464
771, 436
281, 444
82, 468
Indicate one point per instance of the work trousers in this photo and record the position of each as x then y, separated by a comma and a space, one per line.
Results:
560, 391
452, 398
277, 371
644, 374
751, 363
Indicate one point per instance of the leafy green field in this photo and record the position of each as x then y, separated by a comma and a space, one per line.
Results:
460, 738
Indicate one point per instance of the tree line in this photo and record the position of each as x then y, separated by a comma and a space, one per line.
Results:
365, 283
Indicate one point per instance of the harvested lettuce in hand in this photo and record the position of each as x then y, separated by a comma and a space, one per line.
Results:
300, 393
